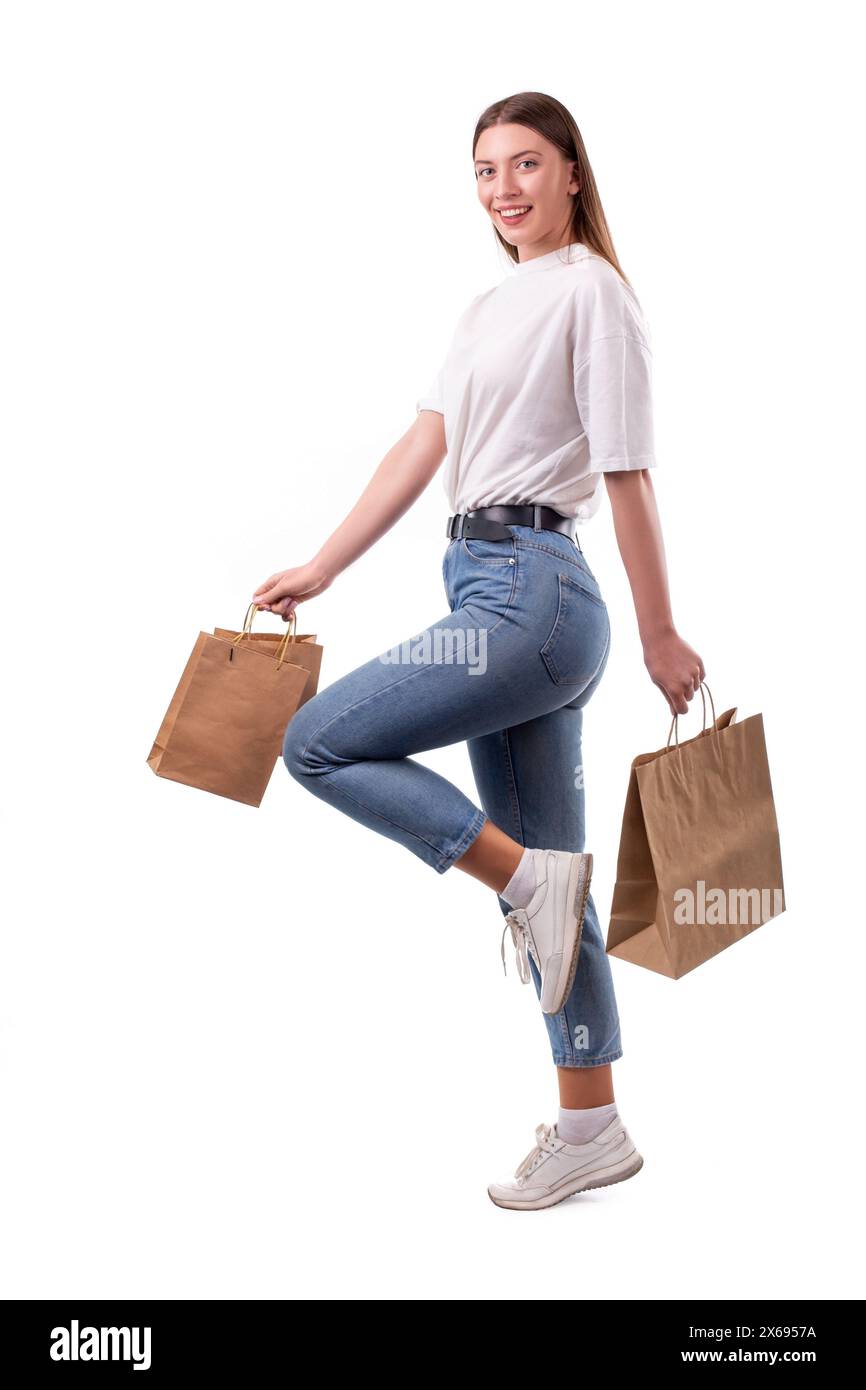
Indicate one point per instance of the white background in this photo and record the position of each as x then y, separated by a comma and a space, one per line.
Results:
266, 1053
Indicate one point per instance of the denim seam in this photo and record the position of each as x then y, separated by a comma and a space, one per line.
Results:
550, 550
475, 826
553, 634
569, 579
512, 788
587, 1062
566, 1039
547, 656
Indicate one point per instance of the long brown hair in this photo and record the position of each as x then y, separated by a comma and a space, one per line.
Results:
555, 122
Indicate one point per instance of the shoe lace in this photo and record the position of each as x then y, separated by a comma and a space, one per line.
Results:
518, 922
543, 1145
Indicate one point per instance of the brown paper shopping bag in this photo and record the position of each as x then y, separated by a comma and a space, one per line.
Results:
224, 726
699, 862
302, 651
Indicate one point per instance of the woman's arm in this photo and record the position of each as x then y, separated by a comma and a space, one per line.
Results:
674, 666
399, 481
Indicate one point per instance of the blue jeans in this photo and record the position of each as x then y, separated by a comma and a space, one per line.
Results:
509, 671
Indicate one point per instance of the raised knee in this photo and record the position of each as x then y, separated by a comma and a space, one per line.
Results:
299, 755
294, 743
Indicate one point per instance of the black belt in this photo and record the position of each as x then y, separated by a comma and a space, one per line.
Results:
489, 523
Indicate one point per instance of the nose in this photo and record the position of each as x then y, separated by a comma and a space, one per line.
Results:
504, 193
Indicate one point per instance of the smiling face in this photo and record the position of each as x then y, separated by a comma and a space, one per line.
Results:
515, 167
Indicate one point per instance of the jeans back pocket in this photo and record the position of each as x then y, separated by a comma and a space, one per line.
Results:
578, 640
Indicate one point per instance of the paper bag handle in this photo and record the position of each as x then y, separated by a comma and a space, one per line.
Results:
289, 635
716, 742
674, 729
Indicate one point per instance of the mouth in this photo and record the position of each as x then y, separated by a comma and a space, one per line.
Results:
518, 213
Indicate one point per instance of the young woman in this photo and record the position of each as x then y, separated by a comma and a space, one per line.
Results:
545, 388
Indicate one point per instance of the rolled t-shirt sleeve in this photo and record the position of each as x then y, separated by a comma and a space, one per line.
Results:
613, 381
613, 390
432, 399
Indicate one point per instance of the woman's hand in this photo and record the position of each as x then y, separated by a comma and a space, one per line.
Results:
675, 668
284, 591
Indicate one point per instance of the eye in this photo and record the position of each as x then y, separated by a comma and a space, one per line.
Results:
487, 168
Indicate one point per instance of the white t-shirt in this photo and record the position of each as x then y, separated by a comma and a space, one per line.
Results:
546, 385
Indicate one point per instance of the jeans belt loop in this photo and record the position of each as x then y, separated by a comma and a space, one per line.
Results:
461, 523
536, 524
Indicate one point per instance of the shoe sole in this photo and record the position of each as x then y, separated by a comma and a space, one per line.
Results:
579, 908
607, 1177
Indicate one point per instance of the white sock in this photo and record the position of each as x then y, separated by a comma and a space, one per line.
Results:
579, 1126
520, 887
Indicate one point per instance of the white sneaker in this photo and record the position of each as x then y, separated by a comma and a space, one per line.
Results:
554, 1170
550, 926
